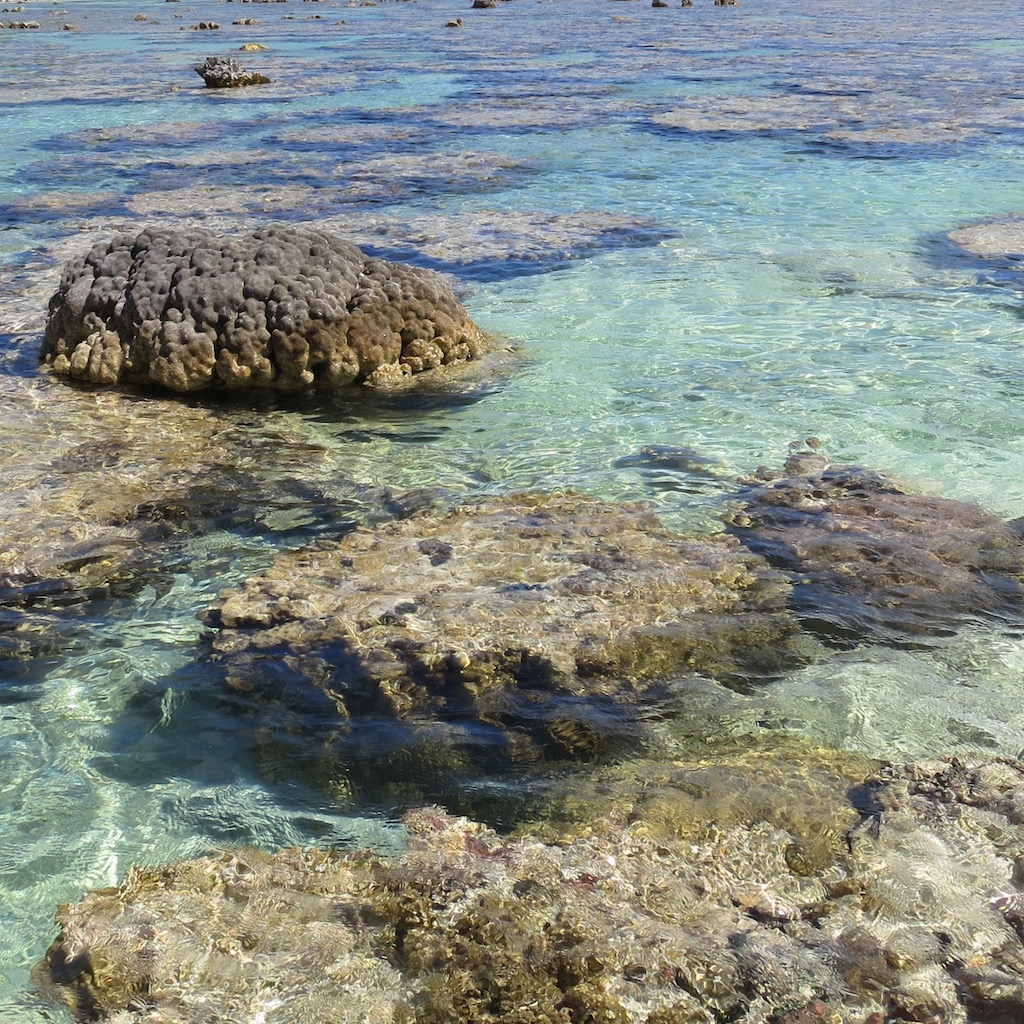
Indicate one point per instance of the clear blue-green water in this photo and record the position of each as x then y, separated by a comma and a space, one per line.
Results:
721, 228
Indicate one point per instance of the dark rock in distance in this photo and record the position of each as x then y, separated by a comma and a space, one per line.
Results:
284, 307
227, 73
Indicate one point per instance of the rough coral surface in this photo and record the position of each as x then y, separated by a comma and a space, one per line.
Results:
285, 307
535, 616
869, 558
916, 919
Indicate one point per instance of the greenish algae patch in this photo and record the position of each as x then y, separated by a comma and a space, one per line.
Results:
789, 783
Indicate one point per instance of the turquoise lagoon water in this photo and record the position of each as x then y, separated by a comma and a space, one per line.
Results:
719, 228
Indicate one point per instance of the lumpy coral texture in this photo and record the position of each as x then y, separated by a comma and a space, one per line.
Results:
287, 306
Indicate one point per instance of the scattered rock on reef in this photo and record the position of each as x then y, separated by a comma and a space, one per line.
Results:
227, 73
284, 307
529, 624
919, 920
870, 559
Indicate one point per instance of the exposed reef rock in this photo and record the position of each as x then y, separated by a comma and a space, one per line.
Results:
528, 624
916, 919
225, 72
284, 307
869, 559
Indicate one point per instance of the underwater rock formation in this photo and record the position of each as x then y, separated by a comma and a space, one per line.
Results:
283, 307
528, 623
995, 238
870, 559
918, 920
101, 497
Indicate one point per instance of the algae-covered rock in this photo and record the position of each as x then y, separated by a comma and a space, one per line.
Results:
286, 307
870, 559
719, 783
919, 921
516, 627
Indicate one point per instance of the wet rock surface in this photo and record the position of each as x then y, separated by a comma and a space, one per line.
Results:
871, 559
511, 628
283, 307
916, 918
227, 73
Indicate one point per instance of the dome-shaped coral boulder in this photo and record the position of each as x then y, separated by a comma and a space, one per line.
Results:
286, 307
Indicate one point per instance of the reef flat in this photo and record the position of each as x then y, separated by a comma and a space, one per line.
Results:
913, 917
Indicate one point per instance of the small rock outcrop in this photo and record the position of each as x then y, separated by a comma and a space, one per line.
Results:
226, 72
284, 307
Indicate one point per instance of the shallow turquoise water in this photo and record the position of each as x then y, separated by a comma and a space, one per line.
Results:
718, 228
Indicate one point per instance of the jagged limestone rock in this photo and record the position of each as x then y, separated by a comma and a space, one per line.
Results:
226, 72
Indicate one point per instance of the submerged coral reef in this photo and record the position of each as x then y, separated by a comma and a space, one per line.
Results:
286, 306
516, 628
914, 917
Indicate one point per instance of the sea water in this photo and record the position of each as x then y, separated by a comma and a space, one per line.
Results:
723, 229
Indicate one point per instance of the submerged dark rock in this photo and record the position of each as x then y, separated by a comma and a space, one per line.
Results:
608, 922
994, 238
516, 627
283, 307
869, 559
